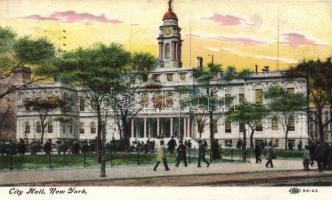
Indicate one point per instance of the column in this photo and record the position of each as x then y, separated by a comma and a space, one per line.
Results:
132, 128
188, 128
161, 50
144, 127
158, 128
184, 127
171, 127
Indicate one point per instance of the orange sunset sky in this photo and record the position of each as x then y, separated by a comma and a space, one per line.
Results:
237, 32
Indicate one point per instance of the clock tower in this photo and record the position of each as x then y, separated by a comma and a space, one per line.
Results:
169, 40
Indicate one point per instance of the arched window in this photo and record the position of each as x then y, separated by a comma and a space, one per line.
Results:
167, 50
158, 101
27, 127
93, 128
169, 101
81, 128
38, 127
144, 100
274, 123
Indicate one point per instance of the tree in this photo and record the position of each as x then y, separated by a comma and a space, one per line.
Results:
97, 69
44, 107
318, 75
248, 114
127, 102
142, 63
15, 53
210, 80
287, 104
20, 52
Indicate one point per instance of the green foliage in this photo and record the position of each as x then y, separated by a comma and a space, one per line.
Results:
33, 51
99, 68
284, 102
43, 105
143, 63
247, 113
7, 39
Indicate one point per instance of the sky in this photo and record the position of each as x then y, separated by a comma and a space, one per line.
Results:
240, 33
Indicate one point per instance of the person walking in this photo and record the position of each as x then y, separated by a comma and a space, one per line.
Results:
161, 156
306, 158
171, 146
269, 156
201, 154
181, 154
258, 153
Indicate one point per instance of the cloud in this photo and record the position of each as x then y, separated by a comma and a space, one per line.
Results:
72, 16
227, 20
243, 40
275, 59
192, 35
219, 49
297, 39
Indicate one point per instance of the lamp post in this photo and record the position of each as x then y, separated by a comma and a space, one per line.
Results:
103, 136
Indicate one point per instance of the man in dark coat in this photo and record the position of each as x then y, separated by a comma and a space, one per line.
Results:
171, 146
21, 147
201, 154
48, 146
216, 150
258, 153
181, 154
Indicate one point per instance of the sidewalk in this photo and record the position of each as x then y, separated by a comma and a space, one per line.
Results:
121, 172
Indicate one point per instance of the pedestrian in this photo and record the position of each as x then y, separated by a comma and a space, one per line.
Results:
258, 153
306, 158
21, 147
181, 154
269, 156
34, 148
161, 156
48, 146
201, 153
171, 146
216, 150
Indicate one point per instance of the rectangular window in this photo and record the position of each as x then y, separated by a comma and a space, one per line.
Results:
259, 96
50, 127
156, 77
290, 90
169, 77
241, 127
64, 130
26, 100
291, 124
228, 126
38, 127
182, 76
241, 98
81, 128
27, 127
215, 126
274, 123
258, 125
82, 104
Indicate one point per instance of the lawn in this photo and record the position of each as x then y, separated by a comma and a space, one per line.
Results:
119, 159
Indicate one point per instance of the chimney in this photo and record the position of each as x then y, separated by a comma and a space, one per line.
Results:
199, 62
266, 70
256, 69
22, 75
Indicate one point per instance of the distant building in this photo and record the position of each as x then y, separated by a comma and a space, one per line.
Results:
162, 116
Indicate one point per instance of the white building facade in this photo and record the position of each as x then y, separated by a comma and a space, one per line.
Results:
162, 116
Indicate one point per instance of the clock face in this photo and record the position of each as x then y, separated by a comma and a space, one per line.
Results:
168, 31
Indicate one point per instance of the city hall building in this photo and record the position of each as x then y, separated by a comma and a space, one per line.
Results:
162, 115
